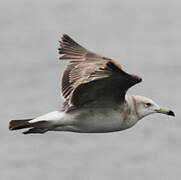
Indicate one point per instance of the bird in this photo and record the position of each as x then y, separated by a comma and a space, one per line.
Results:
95, 95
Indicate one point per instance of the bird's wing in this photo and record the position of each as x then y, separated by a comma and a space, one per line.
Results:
91, 78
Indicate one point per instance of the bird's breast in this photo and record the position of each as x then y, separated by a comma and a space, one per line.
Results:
101, 120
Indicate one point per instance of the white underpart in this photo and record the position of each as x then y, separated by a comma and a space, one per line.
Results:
95, 120
54, 117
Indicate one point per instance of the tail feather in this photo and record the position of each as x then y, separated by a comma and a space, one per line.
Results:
40, 124
19, 124
35, 127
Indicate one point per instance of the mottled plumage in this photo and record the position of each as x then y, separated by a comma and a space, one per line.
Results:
90, 78
94, 88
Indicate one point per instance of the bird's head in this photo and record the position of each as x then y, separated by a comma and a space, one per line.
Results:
146, 106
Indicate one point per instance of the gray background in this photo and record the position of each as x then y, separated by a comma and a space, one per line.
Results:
143, 36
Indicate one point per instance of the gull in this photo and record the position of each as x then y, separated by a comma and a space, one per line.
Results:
94, 88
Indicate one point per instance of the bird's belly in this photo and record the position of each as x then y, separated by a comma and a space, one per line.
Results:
99, 121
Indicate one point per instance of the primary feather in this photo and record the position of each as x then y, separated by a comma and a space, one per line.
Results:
90, 77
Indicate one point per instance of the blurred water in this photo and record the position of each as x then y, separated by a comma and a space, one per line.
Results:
143, 36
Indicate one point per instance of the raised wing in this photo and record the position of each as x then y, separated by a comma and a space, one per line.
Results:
90, 78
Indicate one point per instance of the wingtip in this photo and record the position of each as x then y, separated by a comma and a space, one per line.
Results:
139, 79
70, 49
64, 37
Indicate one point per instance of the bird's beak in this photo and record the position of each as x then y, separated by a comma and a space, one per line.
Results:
165, 111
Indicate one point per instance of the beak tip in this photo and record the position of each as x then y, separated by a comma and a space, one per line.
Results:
171, 113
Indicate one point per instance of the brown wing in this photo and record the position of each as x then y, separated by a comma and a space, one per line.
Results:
92, 78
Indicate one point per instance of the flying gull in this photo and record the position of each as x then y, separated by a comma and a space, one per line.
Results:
94, 88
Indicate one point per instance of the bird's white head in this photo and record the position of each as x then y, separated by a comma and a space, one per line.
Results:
145, 106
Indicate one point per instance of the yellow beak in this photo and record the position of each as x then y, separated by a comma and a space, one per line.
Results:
165, 111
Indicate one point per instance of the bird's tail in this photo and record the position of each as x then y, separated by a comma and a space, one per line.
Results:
19, 124
37, 127
40, 124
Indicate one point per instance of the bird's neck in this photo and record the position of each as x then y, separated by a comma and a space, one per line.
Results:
132, 107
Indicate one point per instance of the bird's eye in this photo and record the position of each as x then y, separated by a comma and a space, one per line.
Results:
148, 104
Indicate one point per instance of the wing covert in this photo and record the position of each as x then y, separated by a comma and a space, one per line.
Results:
90, 78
